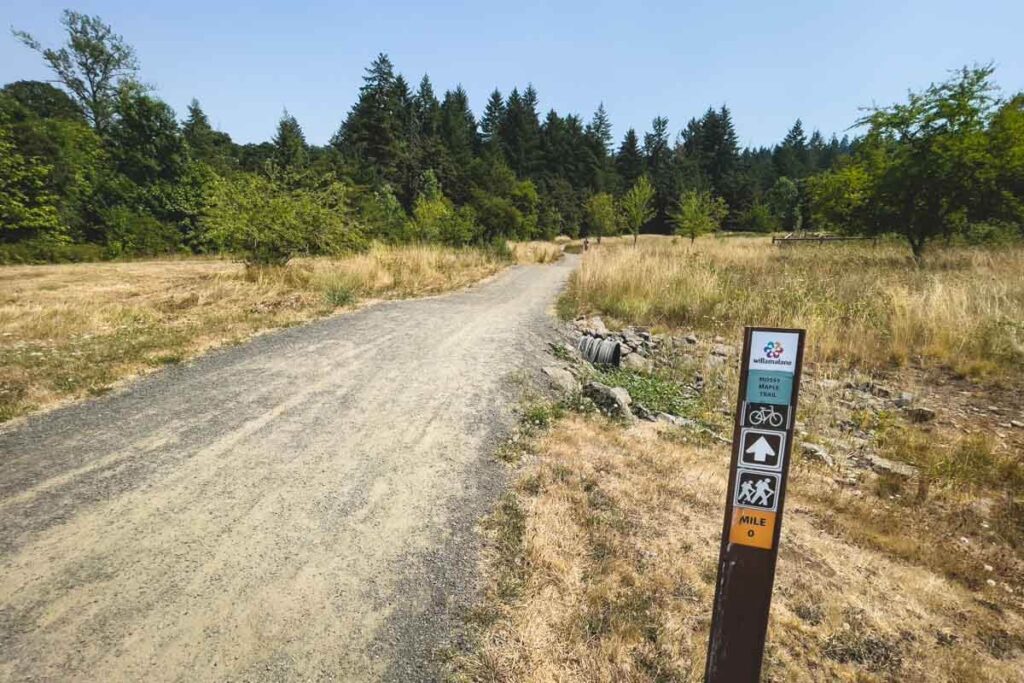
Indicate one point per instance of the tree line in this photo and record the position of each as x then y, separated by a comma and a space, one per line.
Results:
97, 165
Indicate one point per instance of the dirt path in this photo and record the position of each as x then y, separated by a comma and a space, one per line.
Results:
300, 507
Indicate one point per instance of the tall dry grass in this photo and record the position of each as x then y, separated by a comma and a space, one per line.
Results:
536, 251
73, 330
860, 303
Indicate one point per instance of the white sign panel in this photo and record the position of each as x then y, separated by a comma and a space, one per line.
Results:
773, 351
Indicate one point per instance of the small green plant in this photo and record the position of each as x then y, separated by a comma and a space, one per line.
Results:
339, 295
560, 352
540, 414
653, 392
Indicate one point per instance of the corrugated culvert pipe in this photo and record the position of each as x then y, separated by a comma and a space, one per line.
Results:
600, 351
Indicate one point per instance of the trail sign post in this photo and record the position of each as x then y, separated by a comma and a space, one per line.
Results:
761, 444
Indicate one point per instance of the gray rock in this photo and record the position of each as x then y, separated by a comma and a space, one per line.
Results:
920, 414
904, 399
690, 339
723, 350
594, 326
633, 340
1017, 423
886, 466
715, 361
635, 361
643, 413
880, 391
561, 379
813, 451
718, 340
677, 421
611, 400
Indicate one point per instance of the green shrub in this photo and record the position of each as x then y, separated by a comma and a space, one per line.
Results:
45, 251
498, 249
267, 222
338, 294
138, 233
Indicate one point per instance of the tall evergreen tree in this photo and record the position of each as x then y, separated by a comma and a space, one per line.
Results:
599, 137
404, 109
791, 155
629, 161
490, 123
290, 150
600, 128
427, 109
458, 126
519, 132
206, 144
459, 136
658, 158
372, 133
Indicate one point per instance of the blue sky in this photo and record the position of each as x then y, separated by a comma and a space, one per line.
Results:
769, 62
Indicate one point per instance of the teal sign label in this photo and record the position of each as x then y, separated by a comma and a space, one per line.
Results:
769, 386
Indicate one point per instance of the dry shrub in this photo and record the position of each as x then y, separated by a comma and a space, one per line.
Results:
614, 554
863, 304
536, 252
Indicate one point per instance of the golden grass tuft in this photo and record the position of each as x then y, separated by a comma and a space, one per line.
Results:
73, 330
536, 252
862, 304
608, 575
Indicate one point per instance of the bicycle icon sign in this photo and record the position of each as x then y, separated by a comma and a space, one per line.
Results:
766, 416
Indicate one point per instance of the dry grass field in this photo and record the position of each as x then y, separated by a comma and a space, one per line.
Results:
73, 330
602, 561
861, 304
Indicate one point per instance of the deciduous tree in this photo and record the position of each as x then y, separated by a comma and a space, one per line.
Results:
637, 206
92, 64
698, 213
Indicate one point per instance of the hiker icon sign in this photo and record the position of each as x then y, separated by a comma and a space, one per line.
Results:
762, 449
758, 490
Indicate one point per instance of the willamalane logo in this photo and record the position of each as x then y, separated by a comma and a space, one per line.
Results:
773, 351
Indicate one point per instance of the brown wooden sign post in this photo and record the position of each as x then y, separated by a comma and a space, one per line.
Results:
761, 443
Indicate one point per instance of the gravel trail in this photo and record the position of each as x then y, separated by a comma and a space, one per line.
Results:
300, 507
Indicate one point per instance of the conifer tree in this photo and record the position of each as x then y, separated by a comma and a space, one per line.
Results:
791, 155
427, 109
290, 143
658, 158
491, 120
206, 144
600, 128
520, 132
599, 138
629, 161
458, 138
372, 133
